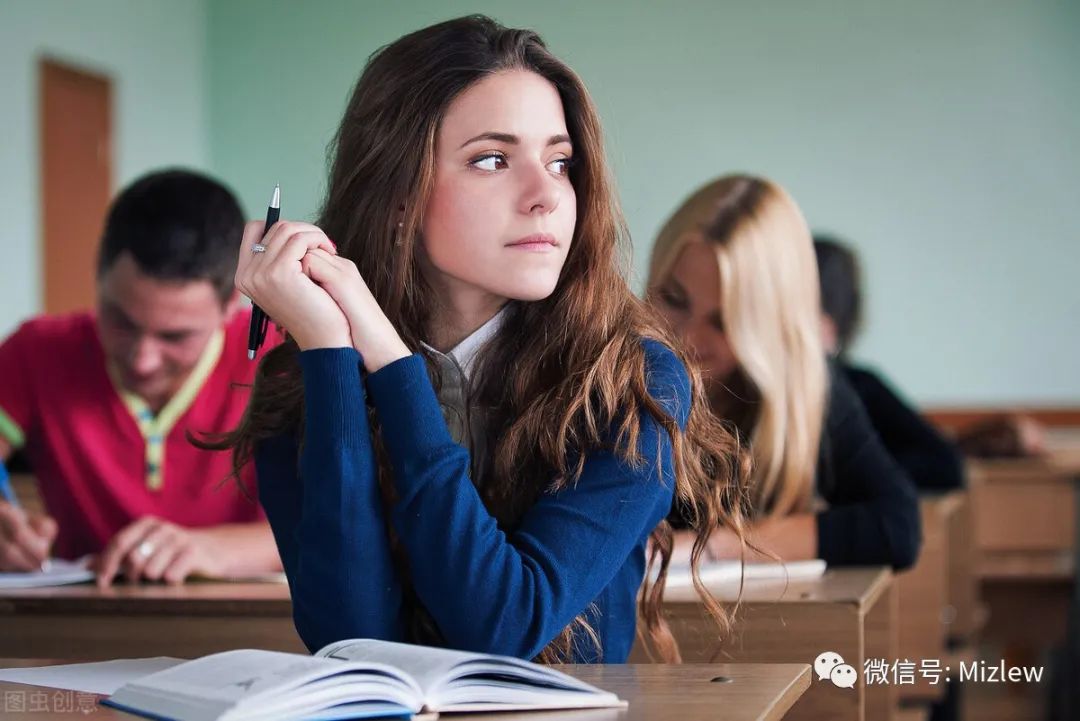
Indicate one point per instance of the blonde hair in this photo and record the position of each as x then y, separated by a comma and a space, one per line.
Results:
770, 306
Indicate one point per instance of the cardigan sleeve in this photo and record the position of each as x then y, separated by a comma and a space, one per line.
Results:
326, 512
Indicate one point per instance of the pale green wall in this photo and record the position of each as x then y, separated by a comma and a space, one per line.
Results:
154, 50
943, 138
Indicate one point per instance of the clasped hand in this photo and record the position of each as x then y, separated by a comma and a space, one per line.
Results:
316, 295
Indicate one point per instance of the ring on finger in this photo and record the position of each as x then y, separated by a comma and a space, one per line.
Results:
145, 549
257, 248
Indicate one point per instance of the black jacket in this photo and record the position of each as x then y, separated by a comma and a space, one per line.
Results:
931, 461
873, 508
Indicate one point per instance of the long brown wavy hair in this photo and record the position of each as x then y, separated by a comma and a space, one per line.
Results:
567, 366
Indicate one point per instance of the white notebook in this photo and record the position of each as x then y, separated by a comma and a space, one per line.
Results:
351, 679
58, 572
722, 572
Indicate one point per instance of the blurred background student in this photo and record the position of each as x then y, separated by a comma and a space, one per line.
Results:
733, 271
933, 461
100, 403
929, 459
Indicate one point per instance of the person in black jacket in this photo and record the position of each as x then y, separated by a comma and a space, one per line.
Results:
931, 461
733, 272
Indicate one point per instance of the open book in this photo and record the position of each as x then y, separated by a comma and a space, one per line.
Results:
351, 679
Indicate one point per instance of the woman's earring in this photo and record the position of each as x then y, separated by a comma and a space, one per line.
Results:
397, 238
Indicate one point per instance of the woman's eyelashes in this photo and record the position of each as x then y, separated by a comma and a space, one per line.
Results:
492, 162
672, 299
564, 165
489, 162
677, 302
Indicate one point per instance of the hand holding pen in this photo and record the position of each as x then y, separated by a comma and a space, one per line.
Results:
270, 270
25, 538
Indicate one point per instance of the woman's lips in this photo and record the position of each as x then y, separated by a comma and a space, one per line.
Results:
537, 243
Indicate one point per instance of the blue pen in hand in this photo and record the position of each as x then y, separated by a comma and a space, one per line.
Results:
8, 494
6, 491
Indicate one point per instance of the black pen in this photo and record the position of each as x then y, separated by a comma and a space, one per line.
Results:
259, 320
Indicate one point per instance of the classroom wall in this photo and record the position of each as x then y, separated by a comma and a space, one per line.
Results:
154, 51
940, 137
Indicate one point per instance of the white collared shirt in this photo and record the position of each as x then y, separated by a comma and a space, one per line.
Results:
464, 419
465, 352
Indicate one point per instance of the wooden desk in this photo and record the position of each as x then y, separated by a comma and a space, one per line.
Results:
754, 692
1024, 518
965, 614
850, 611
145, 620
923, 593
1025, 515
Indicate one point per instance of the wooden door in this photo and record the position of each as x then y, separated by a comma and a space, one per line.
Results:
75, 131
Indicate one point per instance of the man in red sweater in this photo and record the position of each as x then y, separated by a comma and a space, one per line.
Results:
100, 403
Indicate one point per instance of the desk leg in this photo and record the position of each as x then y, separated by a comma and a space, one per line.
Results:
923, 594
882, 642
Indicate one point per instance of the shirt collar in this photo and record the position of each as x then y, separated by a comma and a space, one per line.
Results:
466, 352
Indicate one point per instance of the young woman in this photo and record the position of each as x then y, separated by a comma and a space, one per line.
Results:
930, 460
733, 271
475, 427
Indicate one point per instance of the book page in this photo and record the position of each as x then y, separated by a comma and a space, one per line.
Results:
102, 677
252, 681
428, 666
450, 678
235, 675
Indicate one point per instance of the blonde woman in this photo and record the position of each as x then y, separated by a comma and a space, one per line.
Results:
733, 271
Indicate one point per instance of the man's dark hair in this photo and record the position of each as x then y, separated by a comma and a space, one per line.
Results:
841, 298
177, 225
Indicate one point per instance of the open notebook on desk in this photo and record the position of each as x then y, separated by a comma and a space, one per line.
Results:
352, 679
724, 572
57, 572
